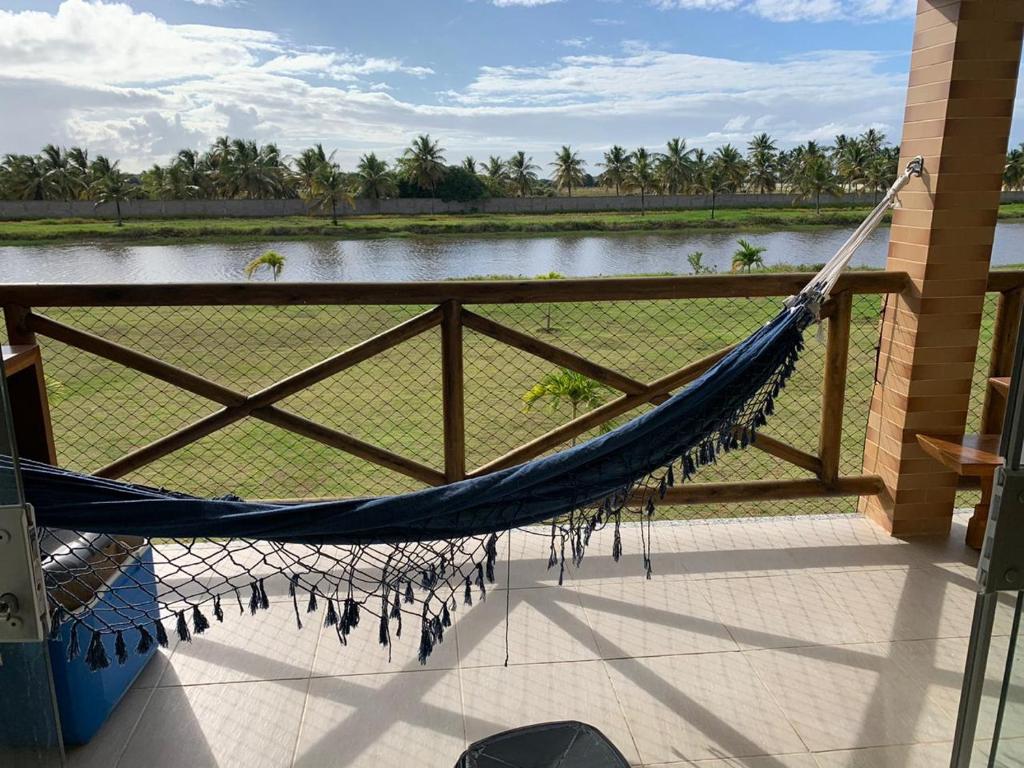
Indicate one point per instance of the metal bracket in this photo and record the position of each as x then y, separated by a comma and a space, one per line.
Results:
23, 615
1001, 564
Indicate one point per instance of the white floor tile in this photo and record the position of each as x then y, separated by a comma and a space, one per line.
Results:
636, 617
699, 707
402, 719
874, 694
544, 625
780, 612
239, 725
106, 746
267, 646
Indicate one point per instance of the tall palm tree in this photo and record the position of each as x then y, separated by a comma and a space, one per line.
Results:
423, 163
642, 174
373, 178
61, 181
79, 167
816, 179
496, 175
676, 166
568, 167
762, 164
732, 167
114, 187
469, 164
873, 140
307, 164
852, 163
616, 167
25, 177
1013, 173
522, 173
329, 188
271, 261
747, 256
579, 391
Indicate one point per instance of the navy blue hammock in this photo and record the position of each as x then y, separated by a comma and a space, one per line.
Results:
390, 556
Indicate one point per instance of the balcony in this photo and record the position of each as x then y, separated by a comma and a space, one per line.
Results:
788, 642
779, 629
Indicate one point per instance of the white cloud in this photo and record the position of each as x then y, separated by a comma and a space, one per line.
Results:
186, 84
576, 42
217, 3
804, 10
522, 3
601, 22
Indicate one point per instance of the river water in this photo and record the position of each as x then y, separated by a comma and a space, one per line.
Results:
438, 258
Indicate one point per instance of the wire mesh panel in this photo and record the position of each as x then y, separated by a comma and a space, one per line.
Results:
102, 411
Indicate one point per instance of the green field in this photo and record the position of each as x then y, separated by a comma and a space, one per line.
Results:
291, 227
102, 411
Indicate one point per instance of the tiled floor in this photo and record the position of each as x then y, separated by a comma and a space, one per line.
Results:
786, 643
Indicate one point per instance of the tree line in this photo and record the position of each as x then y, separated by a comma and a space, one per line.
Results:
240, 168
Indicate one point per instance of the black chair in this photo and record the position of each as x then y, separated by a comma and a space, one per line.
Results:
566, 744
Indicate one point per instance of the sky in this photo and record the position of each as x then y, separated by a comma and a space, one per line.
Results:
139, 79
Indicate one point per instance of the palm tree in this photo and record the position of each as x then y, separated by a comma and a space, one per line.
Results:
271, 260
676, 166
329, 188
423, 163
732, 167
852, 163
565, 386
642, 174
469, 163
762, 164
61, 181
25, 177
697, 265
747, 257
873, 140
114, 187
815, 179
373, 178
79, 167
496, 175
1013, 173
522, 173
568, 169
252, 171
307, 164
616, 167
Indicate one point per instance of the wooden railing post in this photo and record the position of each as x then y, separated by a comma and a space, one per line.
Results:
833, 396
453, 394
30, 408
1004, 339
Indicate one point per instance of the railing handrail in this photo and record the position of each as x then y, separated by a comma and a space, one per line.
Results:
482, 291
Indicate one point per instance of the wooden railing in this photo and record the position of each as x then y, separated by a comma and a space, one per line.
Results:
450, 313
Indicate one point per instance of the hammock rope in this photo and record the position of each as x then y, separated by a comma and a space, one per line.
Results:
394, 559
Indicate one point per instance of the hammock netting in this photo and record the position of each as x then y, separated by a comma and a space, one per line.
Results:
403, 562
391, 560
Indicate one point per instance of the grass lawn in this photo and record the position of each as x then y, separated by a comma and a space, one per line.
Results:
102, 411
288, 227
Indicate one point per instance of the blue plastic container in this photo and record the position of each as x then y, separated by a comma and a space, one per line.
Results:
85, 699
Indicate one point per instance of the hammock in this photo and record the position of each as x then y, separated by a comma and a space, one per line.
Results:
384, 555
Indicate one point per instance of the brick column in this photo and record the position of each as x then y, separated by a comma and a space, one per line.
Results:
963, 77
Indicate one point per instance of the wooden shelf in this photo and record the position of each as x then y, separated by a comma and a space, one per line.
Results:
1000, 384
974, 455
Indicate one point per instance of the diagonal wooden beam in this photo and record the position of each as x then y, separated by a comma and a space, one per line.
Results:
551, 353
350, 444
787, 453
601, 414
238, 405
